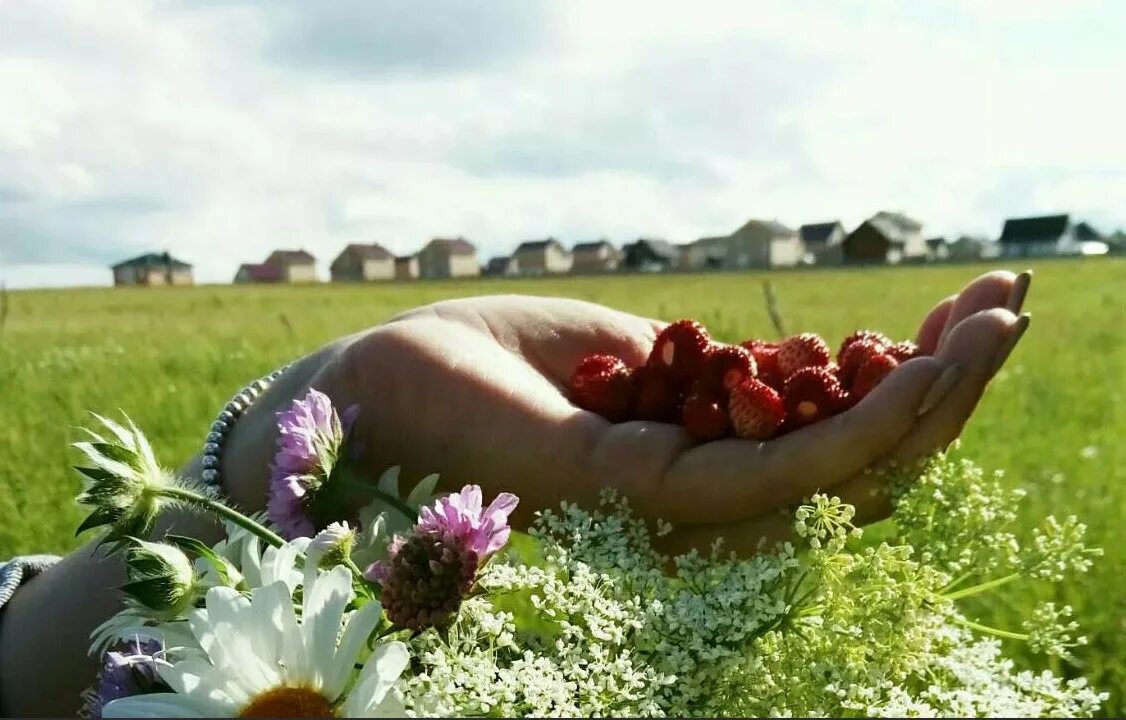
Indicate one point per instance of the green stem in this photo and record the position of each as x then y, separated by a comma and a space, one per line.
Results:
224, 512
990, 630
983, 587
351, 565
408, 512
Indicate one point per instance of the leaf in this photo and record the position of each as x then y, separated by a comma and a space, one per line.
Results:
423, 492
93, 452
122, 434
389, 481
189, 544
95, 519
95, 474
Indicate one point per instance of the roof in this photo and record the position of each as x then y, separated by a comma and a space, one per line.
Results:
1085, 231
771, 226
591, 246
893, 226
260, 272
454, 246
498, 264
531, 245
290, 257
1032, 229
152, 260
374, 251
903, 222
405, 259
935, 242
818, 233
661, 248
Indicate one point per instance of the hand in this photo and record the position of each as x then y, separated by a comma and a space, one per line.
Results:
475, 390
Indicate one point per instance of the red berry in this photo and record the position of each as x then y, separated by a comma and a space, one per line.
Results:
904, 351
680, 346
861, 335
802, 351
766, 359
657, 394
855, 355
871, 374
704, 416
601, 384
725, 366
813, 394
755, 409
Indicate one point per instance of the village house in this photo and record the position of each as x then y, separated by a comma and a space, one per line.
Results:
937, 249
282, 266
757, 244
152, 269
542, 257
885, 238
406, 267
967, 248
594, 257
501, 266
1045, 236
448, 258
822, 242
649, 255
361, 263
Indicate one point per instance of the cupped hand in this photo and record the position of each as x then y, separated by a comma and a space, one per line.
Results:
475, 390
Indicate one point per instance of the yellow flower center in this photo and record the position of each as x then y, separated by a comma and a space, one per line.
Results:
289, 702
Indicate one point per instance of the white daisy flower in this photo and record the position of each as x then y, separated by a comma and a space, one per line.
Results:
255, 658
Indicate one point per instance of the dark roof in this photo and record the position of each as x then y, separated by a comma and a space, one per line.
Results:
660, 248
260, 272
537, 245
404, 259
1085, 231
374, 251
1033, 229
498, 264
892, 226
455, 246
772, 226
935, 242
290, 257
152, 260
898, 219
818, 233
584, 246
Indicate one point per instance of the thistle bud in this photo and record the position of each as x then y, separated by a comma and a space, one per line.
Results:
332, 546
161, 577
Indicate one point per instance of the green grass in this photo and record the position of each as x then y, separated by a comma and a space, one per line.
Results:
1054, 420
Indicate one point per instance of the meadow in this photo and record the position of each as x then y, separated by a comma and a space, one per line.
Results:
1053, 420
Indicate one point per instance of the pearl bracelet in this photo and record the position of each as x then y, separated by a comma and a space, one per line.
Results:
243, 399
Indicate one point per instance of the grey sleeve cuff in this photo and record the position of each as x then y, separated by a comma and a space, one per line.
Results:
14, 573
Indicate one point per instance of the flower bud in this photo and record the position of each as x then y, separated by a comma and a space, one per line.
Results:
161, 577
332, 546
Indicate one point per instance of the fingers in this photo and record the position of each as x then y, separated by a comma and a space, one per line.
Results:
991, 290
933, 325
730, 480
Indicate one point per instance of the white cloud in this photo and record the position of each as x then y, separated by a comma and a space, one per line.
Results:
222, 130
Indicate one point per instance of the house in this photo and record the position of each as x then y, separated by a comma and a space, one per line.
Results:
757, 244
1045, 235
885, 238
152, 269
257, 273
822, 242
542, 257
967, 248
593, 257
937, 249
294, 266
360, 263
448, 258
501, 265
406, 267
649, 255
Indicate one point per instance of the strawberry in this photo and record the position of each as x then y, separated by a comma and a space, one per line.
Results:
872, 335
855, 354
872, 373
601, 384
766, 360
904, 351
755, 409
704, 416
725, 366
802, 351
680, 346
657, 394
813, 394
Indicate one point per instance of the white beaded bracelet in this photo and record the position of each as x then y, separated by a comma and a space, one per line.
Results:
243, 399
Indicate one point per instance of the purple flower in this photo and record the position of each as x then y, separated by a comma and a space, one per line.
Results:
309, 437
428, 572
128, 670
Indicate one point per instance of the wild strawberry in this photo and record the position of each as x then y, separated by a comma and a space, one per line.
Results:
766, 360
802, 351
871, 374
680, 346
813, 394
872, 335
657, 394
601, 384
755, 409
855, 355
704, 416
904, 351
725, 366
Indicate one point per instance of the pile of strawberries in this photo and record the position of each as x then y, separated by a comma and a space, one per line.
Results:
756, 389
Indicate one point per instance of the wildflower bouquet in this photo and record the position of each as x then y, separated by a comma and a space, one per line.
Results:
424, 605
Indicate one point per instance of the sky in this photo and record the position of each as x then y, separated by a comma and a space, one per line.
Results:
220, 129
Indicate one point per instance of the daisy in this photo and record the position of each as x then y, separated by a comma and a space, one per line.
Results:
254, 658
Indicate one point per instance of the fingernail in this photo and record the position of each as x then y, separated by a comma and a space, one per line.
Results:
941, 387
1018, 292
1014, 337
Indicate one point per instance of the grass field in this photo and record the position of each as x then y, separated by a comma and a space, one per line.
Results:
1054, 420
